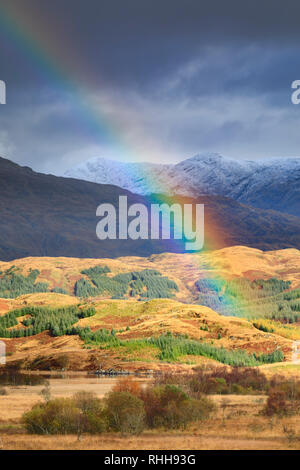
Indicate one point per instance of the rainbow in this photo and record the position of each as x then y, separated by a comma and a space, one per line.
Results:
58, 64
55, 66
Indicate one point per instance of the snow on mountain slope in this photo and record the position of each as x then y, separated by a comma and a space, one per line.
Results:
269, 184
140, 178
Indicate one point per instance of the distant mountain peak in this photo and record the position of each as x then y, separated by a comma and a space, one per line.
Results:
46, 215
210, 157
272, 183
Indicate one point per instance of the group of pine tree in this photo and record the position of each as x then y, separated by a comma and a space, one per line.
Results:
58, 321
146, 284
272, 299
241, 297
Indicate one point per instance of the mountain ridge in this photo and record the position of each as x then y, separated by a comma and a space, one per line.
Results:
272, 183
46, 215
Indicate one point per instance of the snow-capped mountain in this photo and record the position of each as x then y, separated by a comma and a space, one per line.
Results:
140, 178
269, 184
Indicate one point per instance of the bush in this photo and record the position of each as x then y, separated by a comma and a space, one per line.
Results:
121, 411
169, 406
128, 385
291, 389
219, 380
276, 403
82, 413
93, 419
59, 416
125, 413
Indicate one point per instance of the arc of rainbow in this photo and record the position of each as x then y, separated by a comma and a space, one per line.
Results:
55, 70
14, 28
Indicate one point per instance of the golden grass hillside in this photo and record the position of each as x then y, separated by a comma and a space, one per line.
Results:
184, 269
133, 320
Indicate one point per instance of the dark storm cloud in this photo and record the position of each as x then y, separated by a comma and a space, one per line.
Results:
137, 41
178, 76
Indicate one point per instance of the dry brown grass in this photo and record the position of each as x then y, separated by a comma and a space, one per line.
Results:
184, 269
147, 441
21, 398
236, 425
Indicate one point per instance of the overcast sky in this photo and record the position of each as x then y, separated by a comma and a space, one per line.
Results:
147, 80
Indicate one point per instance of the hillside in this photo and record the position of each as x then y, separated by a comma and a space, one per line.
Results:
44, 215
266, 184
184, 269
124, 333
134, 322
